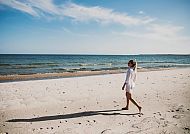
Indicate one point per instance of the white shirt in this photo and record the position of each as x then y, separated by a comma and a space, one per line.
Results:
130, 78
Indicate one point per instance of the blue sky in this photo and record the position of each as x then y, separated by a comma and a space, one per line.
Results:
95, 26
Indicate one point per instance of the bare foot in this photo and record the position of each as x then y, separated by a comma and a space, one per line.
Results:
125, 108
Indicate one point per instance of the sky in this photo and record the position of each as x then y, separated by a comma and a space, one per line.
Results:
95, 26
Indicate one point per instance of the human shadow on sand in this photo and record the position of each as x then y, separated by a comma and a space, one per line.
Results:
69, 116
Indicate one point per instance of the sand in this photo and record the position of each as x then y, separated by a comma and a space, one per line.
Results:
91, 105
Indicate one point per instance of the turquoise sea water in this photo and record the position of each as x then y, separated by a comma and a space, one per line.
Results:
11, 64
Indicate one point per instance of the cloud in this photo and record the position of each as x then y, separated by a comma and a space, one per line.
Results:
47, 8
164, 32
24, 7
102, 15
150, 27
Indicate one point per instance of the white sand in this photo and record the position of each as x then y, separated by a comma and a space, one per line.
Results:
91, 105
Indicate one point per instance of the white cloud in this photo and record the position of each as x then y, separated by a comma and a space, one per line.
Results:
24, 7
48, 9
158, 32
165, 30
45, 6
77, 12
102, 15
36, 8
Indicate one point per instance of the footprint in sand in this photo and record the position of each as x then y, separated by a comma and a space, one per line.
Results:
179, 110
165, 124
116, 105
114, 101
178, 116
187, 129
159, 113
92, 121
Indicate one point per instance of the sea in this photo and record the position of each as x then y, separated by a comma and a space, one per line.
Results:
12, 64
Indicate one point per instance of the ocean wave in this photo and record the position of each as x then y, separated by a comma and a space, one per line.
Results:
4, 64
104, 64
93, 64
41, 63
30, 66
110, 68
71, 69
86, 64
142, 62
174, 65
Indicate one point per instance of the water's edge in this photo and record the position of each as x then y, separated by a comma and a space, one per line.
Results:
27, 77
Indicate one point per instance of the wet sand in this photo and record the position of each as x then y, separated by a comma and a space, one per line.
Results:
24, 77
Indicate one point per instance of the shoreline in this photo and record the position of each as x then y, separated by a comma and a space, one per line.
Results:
39, 76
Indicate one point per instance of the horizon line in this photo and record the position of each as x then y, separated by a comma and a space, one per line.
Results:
92, 54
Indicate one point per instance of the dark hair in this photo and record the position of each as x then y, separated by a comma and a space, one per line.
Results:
134, 64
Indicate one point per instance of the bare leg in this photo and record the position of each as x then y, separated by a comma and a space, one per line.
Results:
127, 98
134, 102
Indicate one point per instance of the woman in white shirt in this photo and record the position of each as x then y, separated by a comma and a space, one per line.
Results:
130, 83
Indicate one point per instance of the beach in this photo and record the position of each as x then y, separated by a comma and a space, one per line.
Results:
92, 104
66, 67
